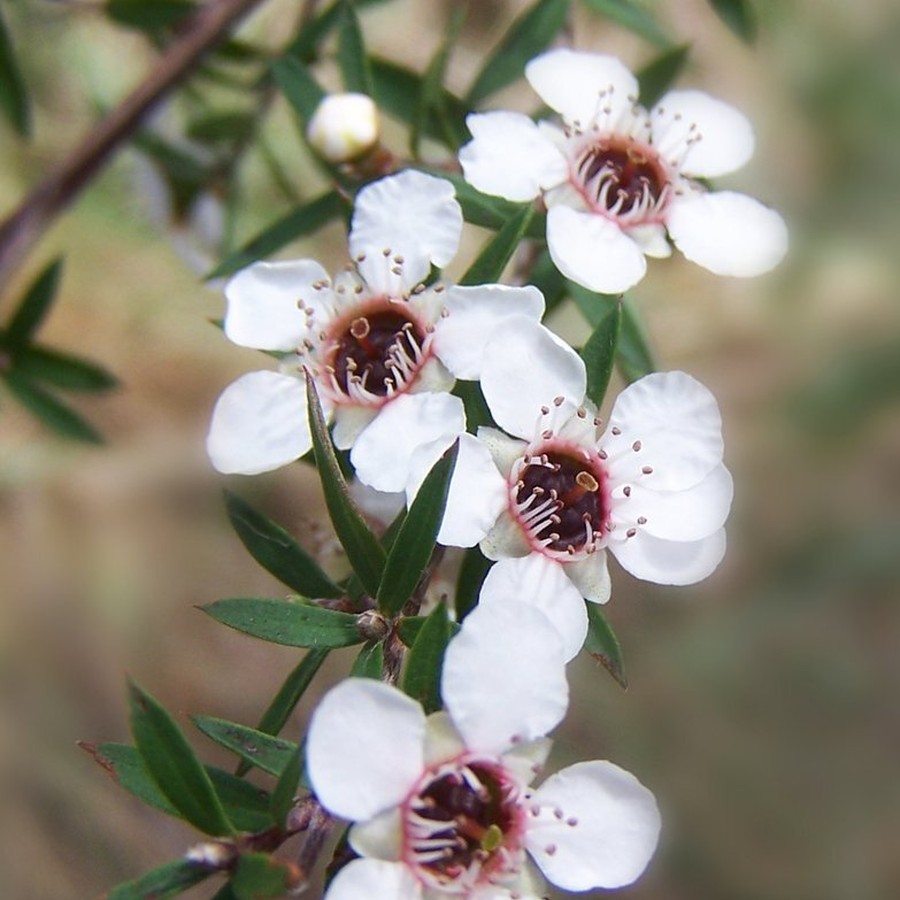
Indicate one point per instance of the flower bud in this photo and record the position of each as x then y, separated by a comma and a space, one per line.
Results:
343, 127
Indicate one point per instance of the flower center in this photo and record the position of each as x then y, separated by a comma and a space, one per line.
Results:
465, 824
377, 353
561, 500
622, 177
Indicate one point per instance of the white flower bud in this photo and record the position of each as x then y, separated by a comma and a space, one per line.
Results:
343, 127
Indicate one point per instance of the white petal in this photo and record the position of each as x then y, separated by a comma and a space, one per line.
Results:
442, 740
504, 678
670, 562
728, 233
383, 451
527, 761
262, 303
258, 424
349, 422
580, 86
591, 576
525, 367
687, 515
364, 748
380, 837
504, 450
474, 314
510, 156
667, 422
505, 539
701, 135
536, 581
374, 880
615, 831
414, 215
593, 251
381, 506
652, 240
477, 491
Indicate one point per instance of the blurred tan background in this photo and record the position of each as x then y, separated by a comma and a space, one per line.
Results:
763, 705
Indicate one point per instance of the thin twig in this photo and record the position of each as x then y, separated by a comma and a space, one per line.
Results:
25, 226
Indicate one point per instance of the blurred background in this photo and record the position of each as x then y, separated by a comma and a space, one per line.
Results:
762, 706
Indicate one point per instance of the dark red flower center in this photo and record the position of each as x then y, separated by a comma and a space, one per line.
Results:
621, 176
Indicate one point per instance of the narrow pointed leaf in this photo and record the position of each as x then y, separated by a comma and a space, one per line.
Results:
305, 46
599, 353
298, 223
286, 789
271, 754
174, 767
302, 91
415, 541
63, 370
13, 93
370, 662
739, 16
277, 552
288, 622
364, 551
422, 679
657, 77
477, 410
149, 15
603, 645
52, 412
166, 881
531, 32
485, 210
258, 876
491, 262
34, 306
635, 359
633, 17
352, 58
409, 627
472, 572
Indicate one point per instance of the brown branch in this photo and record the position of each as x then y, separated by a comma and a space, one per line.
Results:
21, 230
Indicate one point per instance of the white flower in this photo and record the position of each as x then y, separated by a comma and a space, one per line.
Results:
374, 338
343, 127
616, 179
552, 494
442, 805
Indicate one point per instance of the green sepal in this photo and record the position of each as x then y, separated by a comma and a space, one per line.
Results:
166, 881
657, 77
603, 644
277, 552
415, 542
422, 678
35, 304
491, 262
292, 623
599, 352
173, 765
305, 45
364, 551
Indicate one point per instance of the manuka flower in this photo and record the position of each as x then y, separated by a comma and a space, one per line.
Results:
373, 337
549, 496
616, 178
442, 804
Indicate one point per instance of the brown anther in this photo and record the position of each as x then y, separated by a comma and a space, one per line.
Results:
546, 435
587, 481
558, 401
581, 412
386, 252
616, 430
631, 532
626, 490
647, 470
545, 410
642, 520
360, 328
636, 446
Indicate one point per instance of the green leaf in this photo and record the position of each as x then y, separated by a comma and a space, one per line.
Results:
13, 93
635, 359
483, 209
289, 622
422, 679
302, 91
352, 58
415, 541
472, 572
526, 37
370, 661
174, 767
491, 262
247, 806
277, 552
31, 312
603, 645
739, 16
305, 46
286, 789
166, 881
657, 77
288, 696
63, 370
221, 126
297, 223
409, 627
599, 353
364, 551
258, 876
52, 412
271, 754
149, 15
633, 17
548, 280
477, 411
